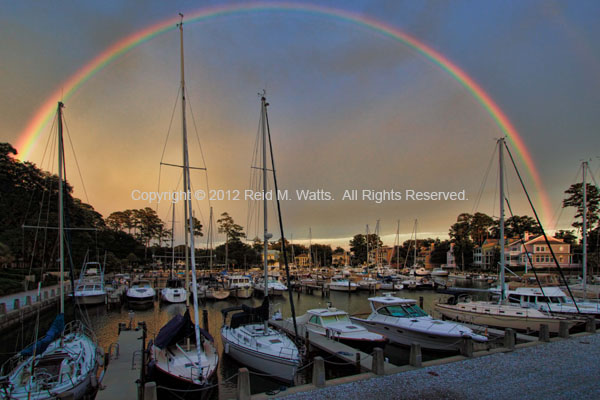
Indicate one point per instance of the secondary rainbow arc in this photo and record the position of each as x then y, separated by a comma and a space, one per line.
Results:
28, 137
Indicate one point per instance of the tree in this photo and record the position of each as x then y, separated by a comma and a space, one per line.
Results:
149, 226
566, 236
358, 246
460, 233
575, 200
438, 255
231, 230
516, 226
480, 225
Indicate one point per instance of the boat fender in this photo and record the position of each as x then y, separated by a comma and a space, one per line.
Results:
226, 348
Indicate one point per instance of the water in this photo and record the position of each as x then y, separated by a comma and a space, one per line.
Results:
105, 324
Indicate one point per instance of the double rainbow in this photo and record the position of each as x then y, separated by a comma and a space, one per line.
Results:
29, 136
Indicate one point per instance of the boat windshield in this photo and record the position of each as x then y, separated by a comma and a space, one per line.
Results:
330, 319
402, 311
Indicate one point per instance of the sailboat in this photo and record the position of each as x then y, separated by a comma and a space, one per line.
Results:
501, 314
182, 351
64, 363
248, 337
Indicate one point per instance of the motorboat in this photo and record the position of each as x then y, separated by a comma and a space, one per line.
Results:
141, 294
402, 321
174, 292
369, 284
340, 284
216, 293
421, 271
336, 324
439, 272
248, 339
90, 288
240, 286
391, 284
276, 288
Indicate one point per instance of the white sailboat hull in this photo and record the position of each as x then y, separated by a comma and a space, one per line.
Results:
278, 367
170, 295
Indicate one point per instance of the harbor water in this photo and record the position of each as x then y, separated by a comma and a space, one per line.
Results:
105, 325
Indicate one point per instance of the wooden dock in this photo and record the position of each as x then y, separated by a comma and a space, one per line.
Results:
333, 347
124, 367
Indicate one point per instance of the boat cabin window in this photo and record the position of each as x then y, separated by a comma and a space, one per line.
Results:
315, 320
402, 311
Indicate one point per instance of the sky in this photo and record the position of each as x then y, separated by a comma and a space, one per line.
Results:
350, 108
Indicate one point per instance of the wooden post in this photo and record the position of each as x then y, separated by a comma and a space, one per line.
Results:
357, 361
378, 360
415, 355
544, 333
17, 304
27, 300
563, 329
467, 347
421, 301
590, 325
318, 376
205, 319
150, 391
243, 385
509, 339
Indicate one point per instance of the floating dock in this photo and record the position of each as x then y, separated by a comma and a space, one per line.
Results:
333, 347
124, 368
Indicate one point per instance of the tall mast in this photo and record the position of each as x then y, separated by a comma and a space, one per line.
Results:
186, 171
367, 246
210, 240
173, 240
415, 251
584, 229
266, 235
501, 183
310, 260
188, 206
377, 251
397, 249
61, 218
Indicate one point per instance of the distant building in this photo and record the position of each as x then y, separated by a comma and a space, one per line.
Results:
340, 258
483, 256
302, 260
272, 257
450, 259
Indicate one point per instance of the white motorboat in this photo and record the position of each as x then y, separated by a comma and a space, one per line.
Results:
249, 340
421, 271
90, 288
391, 284
369, 284
174, 292
141, 294
276, 288
340, 284
551, 299
403, 321
439, 272
240, 286
337, 325
216, 293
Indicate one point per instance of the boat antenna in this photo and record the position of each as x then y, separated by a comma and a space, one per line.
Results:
285, 259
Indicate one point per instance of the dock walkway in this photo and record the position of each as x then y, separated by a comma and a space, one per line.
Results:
123, 369
333, 347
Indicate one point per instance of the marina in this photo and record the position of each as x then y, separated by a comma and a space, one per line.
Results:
299, 199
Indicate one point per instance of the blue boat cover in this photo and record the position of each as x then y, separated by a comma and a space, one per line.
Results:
53, 333
178, 328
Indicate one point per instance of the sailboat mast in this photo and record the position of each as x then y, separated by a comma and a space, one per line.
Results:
415, 251
263, 124
501, 183
188, 206
61, 218
398, 246
186, 187
584, 230
173, 240
368, 246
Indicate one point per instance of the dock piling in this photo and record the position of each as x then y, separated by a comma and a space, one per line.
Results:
544, 333
357, 361
243, 384
318, 376
467, 347
421, 301
378, 361
150, 391
590, 324
415, 355
17, 304
509, 338
563, 329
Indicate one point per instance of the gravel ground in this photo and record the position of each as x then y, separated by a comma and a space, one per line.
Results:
567, 369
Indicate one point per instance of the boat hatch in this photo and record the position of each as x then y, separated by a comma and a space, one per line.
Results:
273, 341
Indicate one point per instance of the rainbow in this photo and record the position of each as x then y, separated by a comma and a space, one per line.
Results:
29, 136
